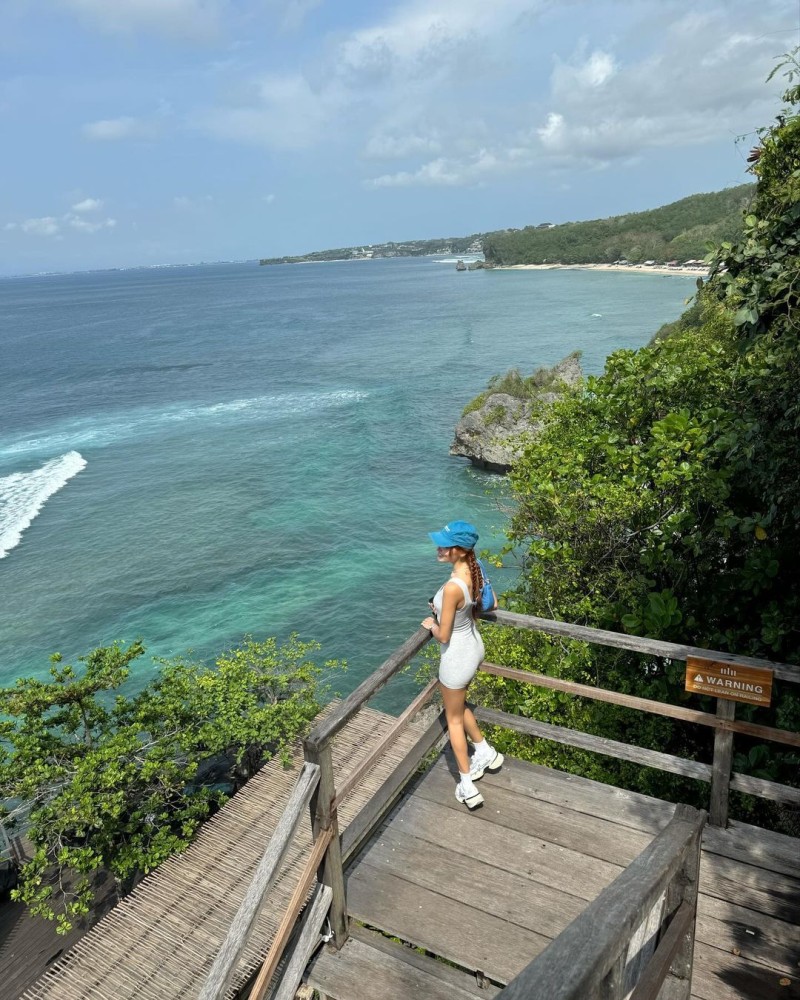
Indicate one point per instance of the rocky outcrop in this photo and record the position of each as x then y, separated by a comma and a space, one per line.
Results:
489, 432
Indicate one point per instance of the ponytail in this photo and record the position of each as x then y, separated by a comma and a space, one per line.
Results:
477, 582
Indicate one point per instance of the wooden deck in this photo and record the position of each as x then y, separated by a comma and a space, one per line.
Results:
160, 942
487, 891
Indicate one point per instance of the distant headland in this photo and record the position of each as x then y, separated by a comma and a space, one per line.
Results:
672, 236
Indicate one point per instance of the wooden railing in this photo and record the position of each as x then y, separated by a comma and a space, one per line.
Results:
723, 721
224, 967
316, 788
333, 850
636, 934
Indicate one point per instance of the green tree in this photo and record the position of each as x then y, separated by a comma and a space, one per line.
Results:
662, 499
112, 780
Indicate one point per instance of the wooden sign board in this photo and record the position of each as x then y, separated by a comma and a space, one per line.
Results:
729, 680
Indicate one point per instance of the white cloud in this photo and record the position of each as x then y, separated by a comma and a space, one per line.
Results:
368, 79
47, 225
190, 19
115, 129
269, 198
293, 13
444, 172
583, 73
87, 226
282, 112
50, 225
383, 146
693, 79
88, 205
691, 89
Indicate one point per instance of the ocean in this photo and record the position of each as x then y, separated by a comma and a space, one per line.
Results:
192, 454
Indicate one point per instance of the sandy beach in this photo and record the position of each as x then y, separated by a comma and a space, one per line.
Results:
687, 272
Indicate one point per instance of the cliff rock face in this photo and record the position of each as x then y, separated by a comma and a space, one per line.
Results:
489, 435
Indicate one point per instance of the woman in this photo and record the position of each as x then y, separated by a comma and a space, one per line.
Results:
453, 625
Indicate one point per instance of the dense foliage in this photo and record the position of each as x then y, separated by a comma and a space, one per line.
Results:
119, 782
525, 387
679, 231
663, 500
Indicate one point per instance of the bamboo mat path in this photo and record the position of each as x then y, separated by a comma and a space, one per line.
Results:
159, 942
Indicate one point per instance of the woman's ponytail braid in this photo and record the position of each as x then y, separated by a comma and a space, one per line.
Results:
477, 582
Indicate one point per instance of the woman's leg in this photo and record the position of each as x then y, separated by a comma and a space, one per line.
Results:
471, 725
454, 704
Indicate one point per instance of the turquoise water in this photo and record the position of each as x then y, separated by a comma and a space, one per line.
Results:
192, 454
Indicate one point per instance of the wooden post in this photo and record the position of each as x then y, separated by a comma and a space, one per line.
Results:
721, 768
682, 893
324, 817
611, 986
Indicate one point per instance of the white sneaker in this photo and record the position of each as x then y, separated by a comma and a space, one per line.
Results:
471, 801
491, 761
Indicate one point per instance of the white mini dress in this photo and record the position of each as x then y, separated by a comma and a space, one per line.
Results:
464, 653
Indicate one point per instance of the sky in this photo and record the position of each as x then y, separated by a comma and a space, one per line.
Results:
143, 132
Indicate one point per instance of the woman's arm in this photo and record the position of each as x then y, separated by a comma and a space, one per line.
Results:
443, 629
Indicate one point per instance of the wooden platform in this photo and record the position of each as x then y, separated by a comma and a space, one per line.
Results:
487, 891
160, 942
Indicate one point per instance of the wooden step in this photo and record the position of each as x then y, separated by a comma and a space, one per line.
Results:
371, 965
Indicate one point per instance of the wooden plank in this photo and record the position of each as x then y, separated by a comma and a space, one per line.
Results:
653, 647
762, 848
444, 972
755, 936
517, 899
784, 736
597, 744
334, 721
570, 791
363, 970
765, 789
389, 737
459, 932
579, 960
359, 828
721, 770
223, 968
306, 944
554, 824
719, 975
286, 926
754, 888
520, 852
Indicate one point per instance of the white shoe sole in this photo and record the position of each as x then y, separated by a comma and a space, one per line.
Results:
493, 766
470, 801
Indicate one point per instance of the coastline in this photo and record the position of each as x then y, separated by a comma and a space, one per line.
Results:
686, 272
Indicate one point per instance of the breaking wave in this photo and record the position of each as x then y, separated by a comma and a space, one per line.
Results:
23, 494
99, 432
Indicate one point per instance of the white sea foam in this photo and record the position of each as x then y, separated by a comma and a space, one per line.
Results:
23, 494
99, 431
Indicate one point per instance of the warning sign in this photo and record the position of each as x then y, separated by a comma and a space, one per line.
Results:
729, 680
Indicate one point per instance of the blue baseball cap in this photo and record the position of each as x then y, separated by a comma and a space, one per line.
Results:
460, 533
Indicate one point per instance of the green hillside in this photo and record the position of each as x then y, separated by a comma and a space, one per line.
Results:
679, 231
